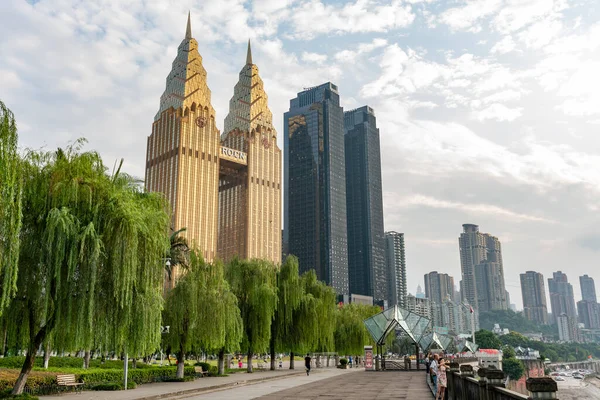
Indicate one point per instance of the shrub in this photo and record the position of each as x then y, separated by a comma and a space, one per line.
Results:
113, 386
343, 361
213, 370
205, 366
7, 395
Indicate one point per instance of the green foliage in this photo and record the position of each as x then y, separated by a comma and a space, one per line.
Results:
8, 395
90, 268
513, 368
351, 335
202, 311
254, 284
508, 352
487, 340
514, 321
10, 206
213, 370
114, 386
343, 361
139, 376
205, 366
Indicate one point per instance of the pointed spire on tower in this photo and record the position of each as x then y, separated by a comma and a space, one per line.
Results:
249, 54
188, 31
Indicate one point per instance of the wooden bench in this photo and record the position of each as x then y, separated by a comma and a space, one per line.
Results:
201, 372
261, 366
68, 381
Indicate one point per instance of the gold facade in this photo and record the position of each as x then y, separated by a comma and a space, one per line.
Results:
250, 201
229, 204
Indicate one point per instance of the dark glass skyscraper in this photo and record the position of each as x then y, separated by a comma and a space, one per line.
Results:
315, 184
364, 202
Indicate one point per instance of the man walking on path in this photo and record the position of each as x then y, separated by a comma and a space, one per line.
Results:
433, 369
307, 364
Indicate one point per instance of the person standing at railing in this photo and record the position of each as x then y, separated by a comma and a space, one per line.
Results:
433, 371
442, 380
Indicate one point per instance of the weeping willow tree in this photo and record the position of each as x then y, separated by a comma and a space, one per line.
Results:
90, 269
10, 206
254, 284
201, 311
351, 335
290, 292
314, 320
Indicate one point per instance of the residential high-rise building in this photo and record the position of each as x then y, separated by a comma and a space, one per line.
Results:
250, 197
439, 287
364, 205
481, 264
562, 299
315, 184
182, 156
588, 288
589, 314
223, 190
567, 328
491, 294
420, 306
396, 268
534, 297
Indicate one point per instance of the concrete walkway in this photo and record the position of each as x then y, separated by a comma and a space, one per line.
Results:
361, 386
153, 391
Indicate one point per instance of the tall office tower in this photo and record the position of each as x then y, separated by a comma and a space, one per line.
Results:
562, 300
250, 197
364, 205
439, 287
534, 297
588, 288
481, 253
315, 184
182, 156
396, 268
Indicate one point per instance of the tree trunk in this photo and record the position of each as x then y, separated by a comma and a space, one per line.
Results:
250, 356
180, 364
221, 363
292, 360
272, 352
328, 358
86, 359
134, 363
35, 341
47, 351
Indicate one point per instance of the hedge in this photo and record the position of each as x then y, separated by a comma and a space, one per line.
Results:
45, 382
66, 362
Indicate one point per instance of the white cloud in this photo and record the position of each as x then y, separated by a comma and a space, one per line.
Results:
314, 57
313, 17
467, 17
363, 48
498, 112
472, 209
506, 45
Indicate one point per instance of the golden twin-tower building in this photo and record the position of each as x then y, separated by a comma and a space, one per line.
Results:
224, 189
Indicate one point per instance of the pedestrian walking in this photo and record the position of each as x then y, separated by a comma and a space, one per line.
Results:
307, 363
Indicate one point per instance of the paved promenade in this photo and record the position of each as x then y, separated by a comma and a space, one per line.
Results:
327, 383
153, 391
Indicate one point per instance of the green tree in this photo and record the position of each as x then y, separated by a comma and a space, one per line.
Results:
508, 352
254, 284
487, 340
10, 206
201, 312
290, 292
90, 261
513, 368
314, 321
351, 335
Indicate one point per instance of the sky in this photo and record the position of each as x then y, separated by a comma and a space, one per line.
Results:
489, 110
